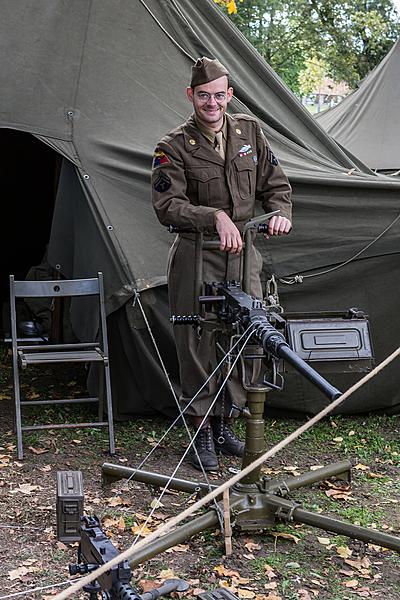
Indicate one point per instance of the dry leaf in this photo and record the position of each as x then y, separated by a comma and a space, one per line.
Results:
337, 494
25, 488
251, 546
243, 593
167, 574
272, 585
270, 573
223, 572
286, 536
324, 541
361, 467
338, 440
178, 548
141, 530
38, 450
351, 583
155, 503
316, 467
303, 594
344, 551
77, 442
45, 469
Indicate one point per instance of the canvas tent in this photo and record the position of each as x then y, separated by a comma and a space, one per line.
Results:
367, 121
99, 82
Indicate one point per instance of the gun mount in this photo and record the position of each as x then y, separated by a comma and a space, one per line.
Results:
255, 502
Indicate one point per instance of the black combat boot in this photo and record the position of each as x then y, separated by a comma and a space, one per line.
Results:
204, 445
225, 440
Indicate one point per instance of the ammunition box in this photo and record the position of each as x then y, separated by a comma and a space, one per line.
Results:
69, 505
332, 345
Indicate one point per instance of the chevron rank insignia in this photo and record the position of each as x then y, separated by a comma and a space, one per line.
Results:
162, 182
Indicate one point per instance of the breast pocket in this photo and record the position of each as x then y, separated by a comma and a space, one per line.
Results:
203, 186
245, 176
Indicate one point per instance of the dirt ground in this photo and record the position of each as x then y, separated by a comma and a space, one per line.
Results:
289, 561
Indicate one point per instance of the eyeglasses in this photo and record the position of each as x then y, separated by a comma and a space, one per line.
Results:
204, 97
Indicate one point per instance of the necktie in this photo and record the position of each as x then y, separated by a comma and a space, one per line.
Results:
219, 145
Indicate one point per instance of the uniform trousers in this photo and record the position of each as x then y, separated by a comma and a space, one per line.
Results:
197, 354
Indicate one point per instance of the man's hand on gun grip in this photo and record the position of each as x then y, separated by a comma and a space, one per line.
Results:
229, 234
278, 226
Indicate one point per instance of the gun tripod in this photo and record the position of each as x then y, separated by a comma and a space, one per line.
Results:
255, 502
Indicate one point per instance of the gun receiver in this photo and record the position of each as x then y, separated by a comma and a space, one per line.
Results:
96, 549
232, 304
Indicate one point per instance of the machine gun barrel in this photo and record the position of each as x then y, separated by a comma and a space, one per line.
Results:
274, 343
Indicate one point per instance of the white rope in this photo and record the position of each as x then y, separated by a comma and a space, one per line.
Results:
300, 278
171, 477
38, 589
130, 552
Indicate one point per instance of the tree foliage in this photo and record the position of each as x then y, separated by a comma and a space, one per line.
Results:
349, 37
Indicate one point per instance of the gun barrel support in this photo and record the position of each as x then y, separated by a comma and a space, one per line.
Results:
287, 510
207, 521
113, 472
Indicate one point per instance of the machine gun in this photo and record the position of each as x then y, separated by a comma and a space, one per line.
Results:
256, 501
96, 549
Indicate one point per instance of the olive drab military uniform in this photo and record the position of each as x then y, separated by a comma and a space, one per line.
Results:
191, 182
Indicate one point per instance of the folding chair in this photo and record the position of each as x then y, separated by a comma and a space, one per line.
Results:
26, 354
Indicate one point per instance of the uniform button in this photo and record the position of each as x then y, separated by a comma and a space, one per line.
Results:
238, 131
192, 141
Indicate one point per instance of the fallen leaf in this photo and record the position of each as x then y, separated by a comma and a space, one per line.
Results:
155, 503
178, 548
45, 469
167, 574
141, 530
361, 467
338, 440
244, 593
270, 573
224, 572
286, 536
25, 488
77, 442
251, 546
351, 583
344, 551
38, 450
272, 585
338, 494
303, 594
316, 467
324, 541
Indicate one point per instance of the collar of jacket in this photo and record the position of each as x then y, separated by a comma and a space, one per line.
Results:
193, 140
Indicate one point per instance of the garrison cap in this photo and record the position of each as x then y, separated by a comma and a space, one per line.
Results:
205, 70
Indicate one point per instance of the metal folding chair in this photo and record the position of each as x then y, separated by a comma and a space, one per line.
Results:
26, 354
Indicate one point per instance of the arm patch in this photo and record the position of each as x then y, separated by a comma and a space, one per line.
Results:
162, 182
160, 158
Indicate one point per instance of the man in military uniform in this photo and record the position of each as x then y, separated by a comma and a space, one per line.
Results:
207, 175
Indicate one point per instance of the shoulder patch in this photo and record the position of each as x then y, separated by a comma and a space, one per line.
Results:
162, 182
160, 158
272, 158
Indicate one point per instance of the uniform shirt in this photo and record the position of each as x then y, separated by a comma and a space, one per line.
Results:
191, 182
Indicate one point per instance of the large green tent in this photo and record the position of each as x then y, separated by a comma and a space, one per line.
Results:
98, 82
367, 121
